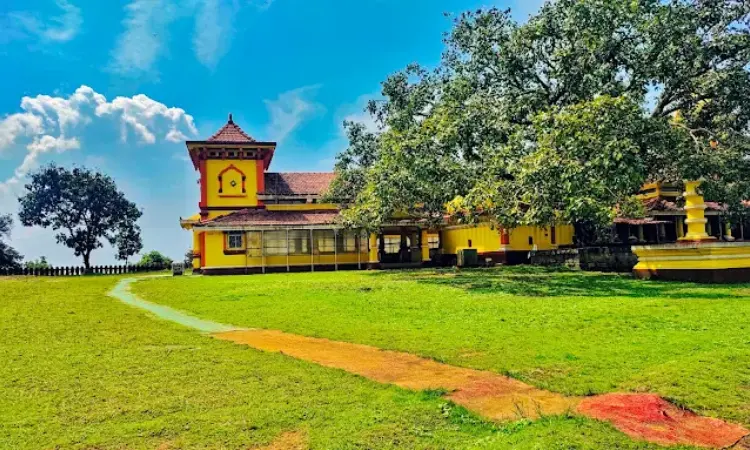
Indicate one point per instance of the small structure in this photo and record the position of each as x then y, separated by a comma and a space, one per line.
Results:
697, 256
178, 268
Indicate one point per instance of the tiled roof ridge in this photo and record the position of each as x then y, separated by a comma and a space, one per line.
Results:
229, 133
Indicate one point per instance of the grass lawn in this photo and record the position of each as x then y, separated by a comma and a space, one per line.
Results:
570, 332
83, 371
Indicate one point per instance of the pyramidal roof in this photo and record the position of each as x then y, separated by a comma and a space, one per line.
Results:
231, 132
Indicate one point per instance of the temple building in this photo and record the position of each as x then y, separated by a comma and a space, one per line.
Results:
252, 220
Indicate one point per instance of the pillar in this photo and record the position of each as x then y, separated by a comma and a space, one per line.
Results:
696, 214
425, 246
504, 240
680, 225
728, 231
641, 238
374, 248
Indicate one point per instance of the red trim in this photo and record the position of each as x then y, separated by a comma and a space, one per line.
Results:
203, 249
260, 176
204, 184
221, 179
504, 237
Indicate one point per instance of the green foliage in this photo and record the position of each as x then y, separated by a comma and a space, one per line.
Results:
40, 263
572, 332
562, 118
188, 259
154, 258
9, 257
84, 207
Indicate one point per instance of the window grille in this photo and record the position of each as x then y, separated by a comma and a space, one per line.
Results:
347, 241
392, 244
234, 241
299, 242
254, 244
433, 242
324, 241
274, 243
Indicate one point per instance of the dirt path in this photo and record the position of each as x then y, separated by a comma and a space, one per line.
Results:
641, 416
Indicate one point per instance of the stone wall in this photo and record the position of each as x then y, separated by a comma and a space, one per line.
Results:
600, 259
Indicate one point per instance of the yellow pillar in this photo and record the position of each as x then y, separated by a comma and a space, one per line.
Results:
425, 246
373, 248
728, 231
696, 214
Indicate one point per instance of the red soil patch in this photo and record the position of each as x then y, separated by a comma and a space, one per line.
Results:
293, 440
651, 418
647, 417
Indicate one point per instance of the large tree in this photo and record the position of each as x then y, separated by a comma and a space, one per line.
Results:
563, 117
84, 207
9, 257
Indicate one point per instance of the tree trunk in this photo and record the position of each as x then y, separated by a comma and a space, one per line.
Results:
87, 261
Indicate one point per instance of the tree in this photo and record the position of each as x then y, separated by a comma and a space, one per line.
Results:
128, 243
40, 263
188, 260
154, 258
562, 118
83, 206
9, 257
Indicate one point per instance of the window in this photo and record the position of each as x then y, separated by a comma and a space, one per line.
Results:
553, 235
234, 241
433, 242
324, 241
299, 242
274, 243
347, 241
392, 244
531, 240
254, 244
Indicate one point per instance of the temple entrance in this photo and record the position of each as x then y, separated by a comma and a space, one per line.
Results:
400, 247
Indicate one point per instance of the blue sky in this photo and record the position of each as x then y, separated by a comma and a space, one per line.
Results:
119, 85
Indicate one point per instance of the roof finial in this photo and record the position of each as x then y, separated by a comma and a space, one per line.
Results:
230, 118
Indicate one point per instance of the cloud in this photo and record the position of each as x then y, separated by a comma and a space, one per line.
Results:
357, 112
60, 28
142, 42
213, 31
51, 124
290, 109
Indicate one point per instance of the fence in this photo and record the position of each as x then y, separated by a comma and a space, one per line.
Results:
78, 271
601, 259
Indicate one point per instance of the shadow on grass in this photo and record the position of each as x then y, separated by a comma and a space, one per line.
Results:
533, 281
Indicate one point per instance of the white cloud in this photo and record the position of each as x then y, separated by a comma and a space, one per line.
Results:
290, 109
142, 42
51, 122
60, 28
213, 31
357, 112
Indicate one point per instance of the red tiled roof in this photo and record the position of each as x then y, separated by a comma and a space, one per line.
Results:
659, 204
231, 133
646, 221
264, 217
297, 183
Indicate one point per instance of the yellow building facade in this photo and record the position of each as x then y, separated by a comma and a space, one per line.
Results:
251, 220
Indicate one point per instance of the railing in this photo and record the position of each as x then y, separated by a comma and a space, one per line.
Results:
79, 271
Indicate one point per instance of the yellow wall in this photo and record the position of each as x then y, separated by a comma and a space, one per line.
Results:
486, 239
232, 196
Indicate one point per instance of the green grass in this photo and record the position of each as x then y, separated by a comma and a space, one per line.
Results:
570, 332
82, 371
